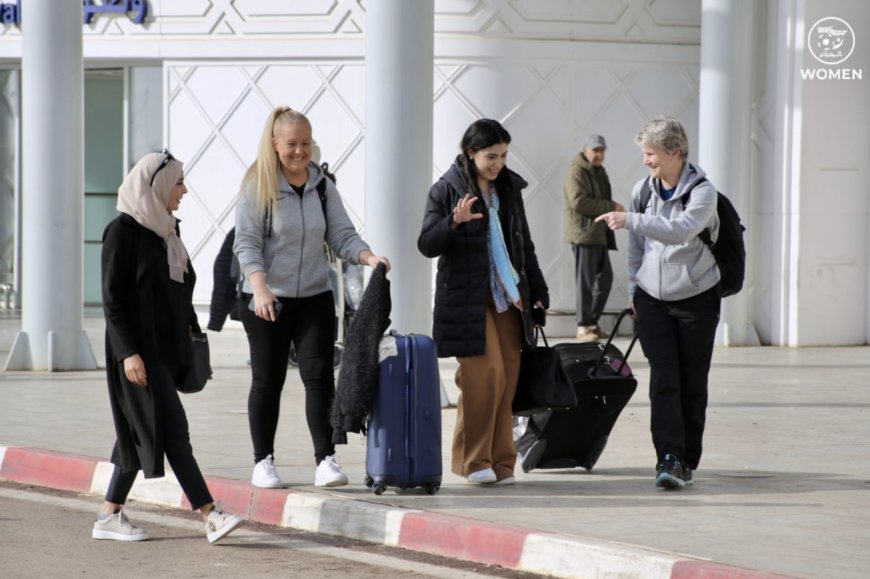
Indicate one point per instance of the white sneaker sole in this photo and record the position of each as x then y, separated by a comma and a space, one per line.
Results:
268, 485
232, 525
113, 536
333, 483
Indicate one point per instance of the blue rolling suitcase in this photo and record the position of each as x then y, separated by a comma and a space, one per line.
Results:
404, 432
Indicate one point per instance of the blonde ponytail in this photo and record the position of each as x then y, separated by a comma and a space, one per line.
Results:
263, 172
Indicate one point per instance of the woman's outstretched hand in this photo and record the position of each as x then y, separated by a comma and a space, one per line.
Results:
462, 213
614, 219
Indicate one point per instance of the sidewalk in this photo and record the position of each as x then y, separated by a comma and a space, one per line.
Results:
784, 486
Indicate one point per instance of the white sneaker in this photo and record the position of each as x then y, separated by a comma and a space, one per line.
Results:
219, 524
586, 334
329, 473
265, 476
117, 527
484, 476
506, 481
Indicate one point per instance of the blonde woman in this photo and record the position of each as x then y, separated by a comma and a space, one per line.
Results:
286, 211
147, 301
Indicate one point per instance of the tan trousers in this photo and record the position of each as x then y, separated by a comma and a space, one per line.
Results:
484, 423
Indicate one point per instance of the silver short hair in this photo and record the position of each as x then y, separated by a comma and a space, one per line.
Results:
665, 133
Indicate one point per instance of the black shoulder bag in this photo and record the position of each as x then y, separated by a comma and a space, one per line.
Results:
543, 383
198, 371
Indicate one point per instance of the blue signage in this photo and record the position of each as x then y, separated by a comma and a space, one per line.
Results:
11, 13
140, 7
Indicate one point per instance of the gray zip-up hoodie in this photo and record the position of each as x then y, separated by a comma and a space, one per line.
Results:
665, 256
292, 256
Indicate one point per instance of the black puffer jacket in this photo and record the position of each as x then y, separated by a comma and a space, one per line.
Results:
462, 281
224, 293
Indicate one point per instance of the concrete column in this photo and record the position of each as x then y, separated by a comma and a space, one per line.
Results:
725, 130
399, 68
829, 199
51, 336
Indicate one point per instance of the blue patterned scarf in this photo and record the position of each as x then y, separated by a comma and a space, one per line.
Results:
503, 278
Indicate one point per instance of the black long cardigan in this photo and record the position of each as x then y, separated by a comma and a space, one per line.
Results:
147, 314
462, 281
358, 376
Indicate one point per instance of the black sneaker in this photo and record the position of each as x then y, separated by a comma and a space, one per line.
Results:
687, 477
670, 473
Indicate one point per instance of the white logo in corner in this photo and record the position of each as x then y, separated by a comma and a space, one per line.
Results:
831, 40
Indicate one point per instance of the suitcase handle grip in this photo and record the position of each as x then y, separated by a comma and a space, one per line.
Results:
622, 314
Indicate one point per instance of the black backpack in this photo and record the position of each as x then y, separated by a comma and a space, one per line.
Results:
729, 249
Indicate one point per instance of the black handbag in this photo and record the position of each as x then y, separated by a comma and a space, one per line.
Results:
198, 371
543, 383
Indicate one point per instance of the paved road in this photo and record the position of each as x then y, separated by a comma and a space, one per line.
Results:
47, 534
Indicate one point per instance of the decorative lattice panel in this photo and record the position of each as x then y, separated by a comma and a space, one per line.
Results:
9, 115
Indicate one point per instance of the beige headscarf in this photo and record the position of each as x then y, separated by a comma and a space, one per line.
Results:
147, 205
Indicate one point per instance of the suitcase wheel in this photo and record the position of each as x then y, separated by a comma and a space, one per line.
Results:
369, 481
379, 489
431, 488
595, 452
530, 459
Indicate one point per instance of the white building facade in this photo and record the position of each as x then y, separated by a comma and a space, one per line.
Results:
199, 77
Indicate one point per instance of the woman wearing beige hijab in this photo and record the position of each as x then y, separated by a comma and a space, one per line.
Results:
147, 301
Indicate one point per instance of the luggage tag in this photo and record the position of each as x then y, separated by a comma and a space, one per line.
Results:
619, 366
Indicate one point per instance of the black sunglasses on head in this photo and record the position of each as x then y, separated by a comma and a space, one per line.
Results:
165, 162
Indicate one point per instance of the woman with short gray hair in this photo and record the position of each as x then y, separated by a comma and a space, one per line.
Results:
666, 133
674, 292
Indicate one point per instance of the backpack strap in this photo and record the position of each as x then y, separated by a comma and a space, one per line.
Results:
704, 236
267, 221
321, 193
646, 195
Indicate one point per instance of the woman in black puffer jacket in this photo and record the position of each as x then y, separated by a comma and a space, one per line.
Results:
487, 285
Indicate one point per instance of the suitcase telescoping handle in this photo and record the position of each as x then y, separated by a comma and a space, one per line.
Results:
622, 314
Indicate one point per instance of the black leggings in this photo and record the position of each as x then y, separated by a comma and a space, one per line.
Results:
677, 339
176, 445
309, 323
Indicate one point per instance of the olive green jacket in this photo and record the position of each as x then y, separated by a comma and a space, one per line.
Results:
587, 195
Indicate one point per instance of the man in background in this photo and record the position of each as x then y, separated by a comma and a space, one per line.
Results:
588, 195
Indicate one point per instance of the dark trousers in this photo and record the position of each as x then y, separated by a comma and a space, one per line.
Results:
677, 339
593, 279
176, 445
307, 323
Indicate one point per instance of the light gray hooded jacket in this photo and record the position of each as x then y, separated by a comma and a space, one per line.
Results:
292, 256
665, 256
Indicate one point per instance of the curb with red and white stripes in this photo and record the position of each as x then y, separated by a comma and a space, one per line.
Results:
446, 535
